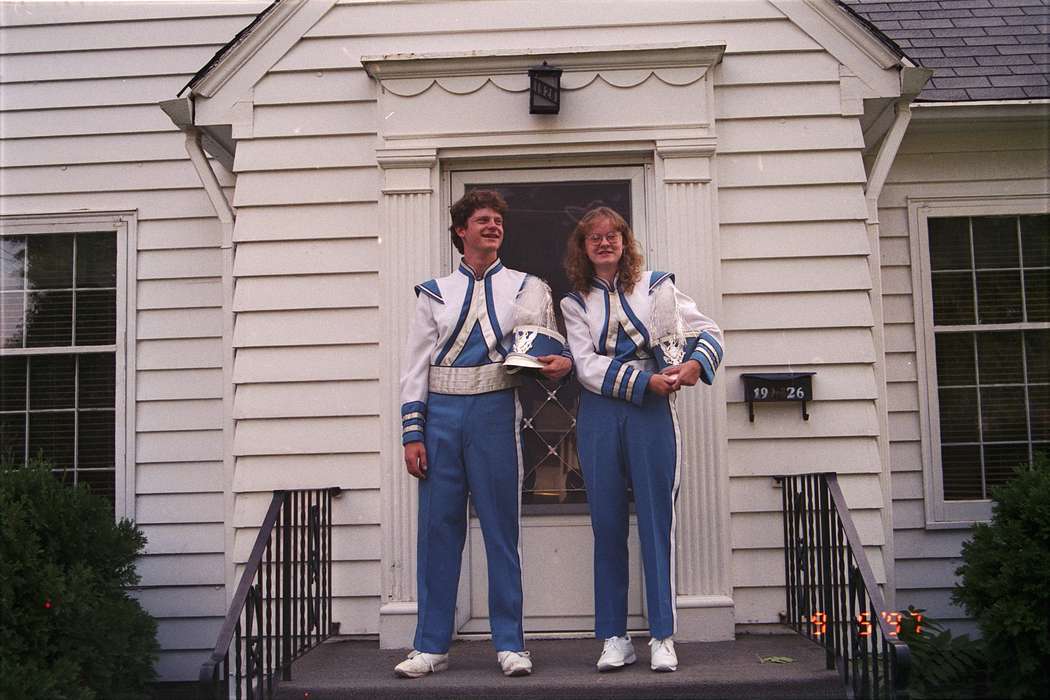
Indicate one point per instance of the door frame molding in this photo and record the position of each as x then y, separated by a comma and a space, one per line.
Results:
682, 219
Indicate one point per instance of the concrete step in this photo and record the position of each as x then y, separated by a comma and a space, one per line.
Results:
564, 670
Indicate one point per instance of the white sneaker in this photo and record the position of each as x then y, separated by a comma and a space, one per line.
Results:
421, 663
617, 653
662, 656
515, 663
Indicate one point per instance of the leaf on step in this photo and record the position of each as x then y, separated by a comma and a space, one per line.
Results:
776, 659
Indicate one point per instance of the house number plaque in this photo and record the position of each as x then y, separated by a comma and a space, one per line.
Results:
777, 386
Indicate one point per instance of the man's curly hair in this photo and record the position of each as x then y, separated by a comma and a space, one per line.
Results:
578, 266
469, 203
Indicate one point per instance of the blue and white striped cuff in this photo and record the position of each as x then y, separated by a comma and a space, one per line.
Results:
708, 353
413, 421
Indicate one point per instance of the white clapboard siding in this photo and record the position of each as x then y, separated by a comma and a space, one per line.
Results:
202, 292
85, 178
351, 18
294, 436
977, 162
799, 346
270, 472
164, 32
802, 203
180, 353
180, 323
178, 446
122, 119
306, 257
103, 148
766, 530
783, 240
801, 310
305, 152
334, 85
807, 133
306, 363
749, 101
106, 63
180, 477
81, 131
96, 92
321, 53
826, 419
762, 494
27, 14
315, 327
307, 186
349, 508
184, 538
179, 263
306, 399
307, 221
315, 291
166, 234
796, 168
151, 204
191, 414
191, 601
795, 275
754, 457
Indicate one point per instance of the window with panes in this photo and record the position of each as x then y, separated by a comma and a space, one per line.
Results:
58, 335
991, 323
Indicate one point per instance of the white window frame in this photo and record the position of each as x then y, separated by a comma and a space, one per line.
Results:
941, 514
124, 224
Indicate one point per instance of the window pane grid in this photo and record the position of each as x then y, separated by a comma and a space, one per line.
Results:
59, 294
992, 382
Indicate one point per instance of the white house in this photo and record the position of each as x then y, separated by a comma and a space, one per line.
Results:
231, 316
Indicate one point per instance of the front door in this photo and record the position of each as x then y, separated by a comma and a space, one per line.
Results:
556, 541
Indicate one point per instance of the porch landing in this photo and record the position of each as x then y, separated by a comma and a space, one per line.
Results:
564, 670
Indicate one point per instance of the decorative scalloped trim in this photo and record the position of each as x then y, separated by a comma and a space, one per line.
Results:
575, 80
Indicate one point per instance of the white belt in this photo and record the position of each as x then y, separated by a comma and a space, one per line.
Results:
471, 380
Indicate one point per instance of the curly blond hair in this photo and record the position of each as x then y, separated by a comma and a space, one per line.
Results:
578, 266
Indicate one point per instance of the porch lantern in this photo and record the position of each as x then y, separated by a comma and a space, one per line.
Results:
544, 89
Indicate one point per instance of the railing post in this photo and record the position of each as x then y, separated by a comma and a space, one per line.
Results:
286, 598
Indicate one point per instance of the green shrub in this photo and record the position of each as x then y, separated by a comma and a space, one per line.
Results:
1005, 583
942, 666
68, 629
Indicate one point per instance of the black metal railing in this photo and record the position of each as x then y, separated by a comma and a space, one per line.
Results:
832, 596
282, 607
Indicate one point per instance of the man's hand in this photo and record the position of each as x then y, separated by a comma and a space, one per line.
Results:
662, 385
555, 366
416, 459
687, 373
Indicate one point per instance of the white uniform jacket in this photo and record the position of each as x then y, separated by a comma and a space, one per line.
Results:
609, 335
461, 320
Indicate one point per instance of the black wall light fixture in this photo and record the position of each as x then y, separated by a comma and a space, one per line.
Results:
544, 89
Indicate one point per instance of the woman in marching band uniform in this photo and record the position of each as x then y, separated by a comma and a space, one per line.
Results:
622, 325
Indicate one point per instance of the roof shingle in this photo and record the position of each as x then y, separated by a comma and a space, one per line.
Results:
979, 49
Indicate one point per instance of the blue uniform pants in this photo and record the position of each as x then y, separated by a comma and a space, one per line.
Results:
620, 445
472, 447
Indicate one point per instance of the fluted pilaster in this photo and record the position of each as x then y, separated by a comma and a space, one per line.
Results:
687, 243
407, 215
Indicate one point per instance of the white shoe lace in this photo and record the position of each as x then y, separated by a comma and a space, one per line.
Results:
662, 645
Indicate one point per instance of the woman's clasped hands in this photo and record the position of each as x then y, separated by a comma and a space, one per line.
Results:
675, 377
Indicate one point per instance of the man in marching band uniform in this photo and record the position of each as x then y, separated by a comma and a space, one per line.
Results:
460, 429
635, 340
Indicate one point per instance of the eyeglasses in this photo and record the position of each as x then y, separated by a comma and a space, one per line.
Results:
596, 238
